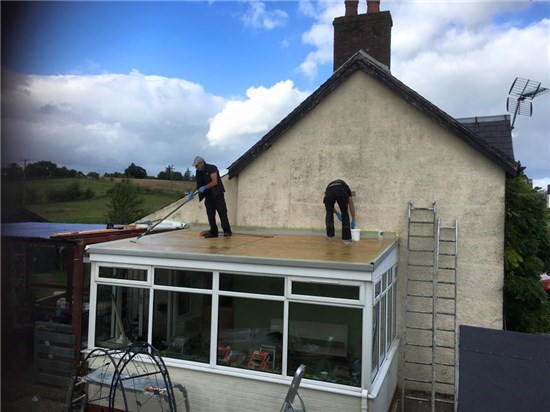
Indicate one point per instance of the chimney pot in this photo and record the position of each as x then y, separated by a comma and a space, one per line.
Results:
373, 6
351, 7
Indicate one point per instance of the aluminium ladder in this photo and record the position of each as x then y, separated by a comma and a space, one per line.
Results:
429, 358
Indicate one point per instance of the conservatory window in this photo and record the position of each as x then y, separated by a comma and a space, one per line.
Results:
123, 273
181, 325
121, 315
328, 340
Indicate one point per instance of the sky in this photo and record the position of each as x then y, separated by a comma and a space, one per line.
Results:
96, 86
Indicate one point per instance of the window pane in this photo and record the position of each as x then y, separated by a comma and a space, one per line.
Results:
383, 321
327, 339
390, 318
122, 273
377, 289
121, 316
266, 285
325, 290
181, 325
183, 278
375, 338
250, 334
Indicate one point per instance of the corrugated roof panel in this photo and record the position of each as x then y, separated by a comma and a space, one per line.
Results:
43, 230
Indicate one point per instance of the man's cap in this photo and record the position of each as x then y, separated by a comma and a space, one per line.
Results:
197, 160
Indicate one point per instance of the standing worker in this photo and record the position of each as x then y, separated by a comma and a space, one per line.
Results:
210, 187
339, 192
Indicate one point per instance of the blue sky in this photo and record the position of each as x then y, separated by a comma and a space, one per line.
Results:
155, 83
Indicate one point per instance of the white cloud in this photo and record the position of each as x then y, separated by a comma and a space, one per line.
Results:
258, 16
105, 122
254, 116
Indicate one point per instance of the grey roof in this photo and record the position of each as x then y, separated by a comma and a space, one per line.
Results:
43, 230
495, 130
362, 61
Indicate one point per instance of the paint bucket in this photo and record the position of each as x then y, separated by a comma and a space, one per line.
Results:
355, 234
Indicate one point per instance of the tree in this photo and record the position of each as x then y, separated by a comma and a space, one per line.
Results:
93, 175
125, 203
188, 176
135, 171
41, 169
526, 256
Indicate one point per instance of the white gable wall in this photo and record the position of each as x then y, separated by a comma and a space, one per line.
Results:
389, 153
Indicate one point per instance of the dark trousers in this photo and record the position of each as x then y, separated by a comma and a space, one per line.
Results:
332, 197
217, 204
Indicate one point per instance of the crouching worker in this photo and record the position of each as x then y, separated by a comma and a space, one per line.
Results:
210, 187
339, 192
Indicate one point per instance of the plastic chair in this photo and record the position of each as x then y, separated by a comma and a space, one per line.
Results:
288, 404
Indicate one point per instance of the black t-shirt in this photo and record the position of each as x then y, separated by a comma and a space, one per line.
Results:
203, 178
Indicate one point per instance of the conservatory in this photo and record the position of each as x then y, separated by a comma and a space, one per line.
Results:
234, 317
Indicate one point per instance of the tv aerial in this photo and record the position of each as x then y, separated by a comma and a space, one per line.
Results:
521, 93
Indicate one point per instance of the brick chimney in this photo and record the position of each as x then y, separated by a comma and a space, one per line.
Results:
370, 32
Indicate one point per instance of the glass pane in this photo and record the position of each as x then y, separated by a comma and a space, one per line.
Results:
181, 325
375, 338
122, 273
325, 290
327, 339
390, 317
383, 321
265, 285
250, 334
394, 326
122, 315
183, 278
377, 289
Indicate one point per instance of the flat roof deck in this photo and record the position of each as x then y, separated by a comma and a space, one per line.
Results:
268, 249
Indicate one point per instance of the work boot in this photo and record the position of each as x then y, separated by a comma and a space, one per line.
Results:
209, 235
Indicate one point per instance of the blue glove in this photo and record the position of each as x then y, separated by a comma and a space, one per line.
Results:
201, 189
190, 196
353, 224
339, 216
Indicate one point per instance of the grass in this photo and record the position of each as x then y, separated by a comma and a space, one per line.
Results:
84, 211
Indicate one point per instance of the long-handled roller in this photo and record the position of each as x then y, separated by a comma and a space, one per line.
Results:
161, 220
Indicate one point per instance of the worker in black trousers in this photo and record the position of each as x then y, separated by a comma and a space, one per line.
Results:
210, 187
339, 192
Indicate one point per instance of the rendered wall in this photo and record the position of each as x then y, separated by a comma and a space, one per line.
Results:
389, 153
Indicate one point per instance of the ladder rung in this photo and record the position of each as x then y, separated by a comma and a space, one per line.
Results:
445, 330
447, 240
418, 363
445, 313
416, 328
444, 298
420, 280
422, 222
420, 250
418, 345
423, 208
420, 296
417, 380
443, 383
423, 236
442, 282
419, 311
445, 268
447, 254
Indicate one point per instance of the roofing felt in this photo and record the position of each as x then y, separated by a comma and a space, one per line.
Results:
280, 250
43, 230
363, 62
503, 371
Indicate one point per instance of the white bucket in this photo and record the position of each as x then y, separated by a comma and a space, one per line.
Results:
355, 235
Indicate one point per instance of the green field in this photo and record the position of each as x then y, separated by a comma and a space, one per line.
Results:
81, 211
